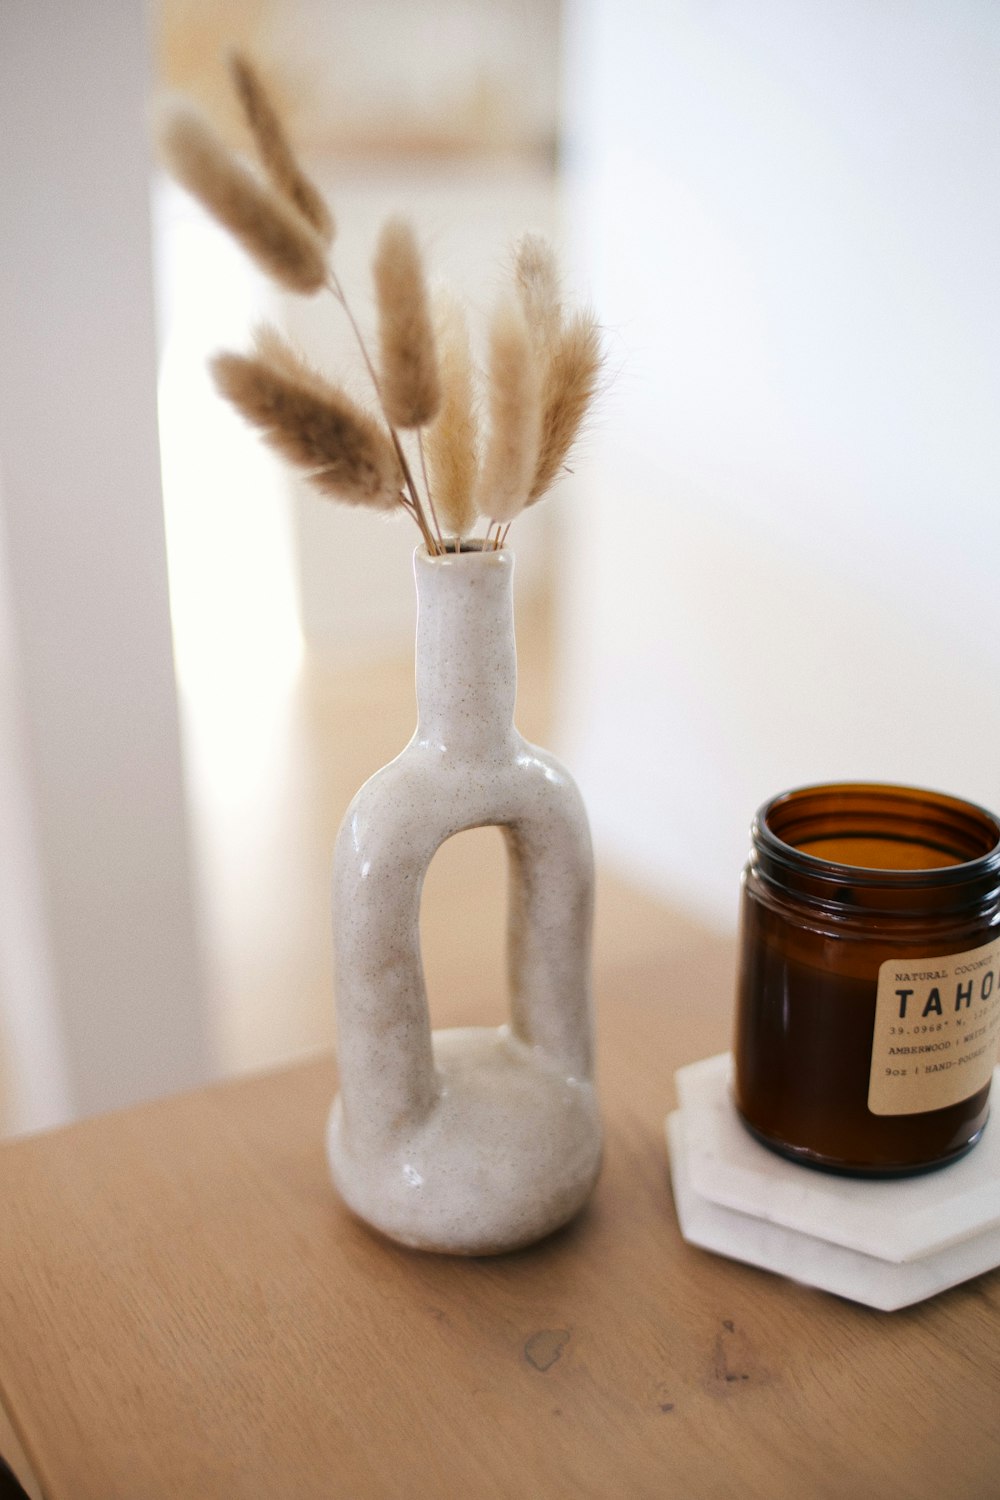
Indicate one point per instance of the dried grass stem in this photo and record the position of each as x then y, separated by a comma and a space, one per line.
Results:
271, 230
314, 425
453, 438
570, 383
515, 417
409, 380
536, 276
276, 155
414, 504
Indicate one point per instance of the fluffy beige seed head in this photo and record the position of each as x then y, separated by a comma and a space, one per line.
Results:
313, 424
536, 276
276, 155
452, 440
274, 350
515, 417
570, 384
409, 382
272, 231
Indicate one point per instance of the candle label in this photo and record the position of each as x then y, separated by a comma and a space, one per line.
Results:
937, 1022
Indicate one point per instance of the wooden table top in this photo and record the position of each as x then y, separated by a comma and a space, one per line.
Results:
186, 1309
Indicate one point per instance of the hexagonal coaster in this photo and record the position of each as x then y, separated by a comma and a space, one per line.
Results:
900, 1220
883, 1284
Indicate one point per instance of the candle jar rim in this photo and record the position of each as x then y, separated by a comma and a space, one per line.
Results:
897, 812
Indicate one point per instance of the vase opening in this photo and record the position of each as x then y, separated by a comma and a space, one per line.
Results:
454, 548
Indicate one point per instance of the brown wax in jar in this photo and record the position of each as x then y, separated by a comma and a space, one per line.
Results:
842, 879
880, 854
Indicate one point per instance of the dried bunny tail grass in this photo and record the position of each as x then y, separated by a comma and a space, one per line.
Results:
281, 356
453, 439
512, 453
570, 384
346, 453
276, 155
536, 275
276, 236
409, 382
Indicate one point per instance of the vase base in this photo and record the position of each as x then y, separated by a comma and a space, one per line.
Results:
509, 1152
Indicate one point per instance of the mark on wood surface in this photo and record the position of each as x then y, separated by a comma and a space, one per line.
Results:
734, 1362
662, 1397
544, 1347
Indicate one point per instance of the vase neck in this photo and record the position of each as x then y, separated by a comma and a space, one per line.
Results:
466, 657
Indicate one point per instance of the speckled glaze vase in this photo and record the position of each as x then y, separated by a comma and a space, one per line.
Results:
473, 1140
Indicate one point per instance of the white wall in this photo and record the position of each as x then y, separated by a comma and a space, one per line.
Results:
102, 999
789, 215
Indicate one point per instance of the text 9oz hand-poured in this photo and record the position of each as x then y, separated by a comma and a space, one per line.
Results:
868, 1009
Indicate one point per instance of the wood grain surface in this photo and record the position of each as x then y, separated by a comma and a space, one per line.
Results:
187, 1310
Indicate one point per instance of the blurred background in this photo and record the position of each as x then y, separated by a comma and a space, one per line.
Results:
773, 563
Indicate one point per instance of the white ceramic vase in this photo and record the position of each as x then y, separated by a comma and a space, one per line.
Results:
468, 1141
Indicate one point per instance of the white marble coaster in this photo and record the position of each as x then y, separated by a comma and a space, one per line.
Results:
861, 1278
885, 1243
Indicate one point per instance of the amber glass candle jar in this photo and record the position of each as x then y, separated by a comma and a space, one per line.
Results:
868, 1004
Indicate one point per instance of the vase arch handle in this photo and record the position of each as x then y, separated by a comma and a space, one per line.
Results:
385, 847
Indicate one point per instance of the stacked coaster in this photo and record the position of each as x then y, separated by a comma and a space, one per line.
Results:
884, 1243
